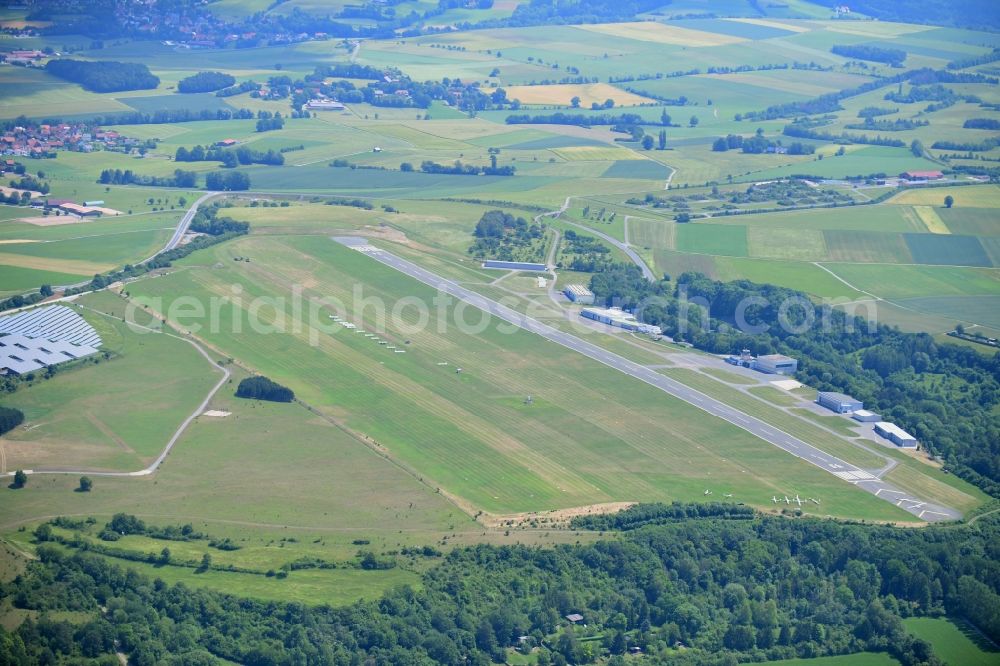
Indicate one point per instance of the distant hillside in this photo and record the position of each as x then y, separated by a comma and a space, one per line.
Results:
972, 14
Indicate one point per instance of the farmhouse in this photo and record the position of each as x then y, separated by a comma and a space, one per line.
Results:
82, 211
896, 435
838, 402
620, 319
579, 294
776, 364
325, 105
921, 175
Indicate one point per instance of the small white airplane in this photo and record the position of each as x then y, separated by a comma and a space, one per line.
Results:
728, 495
798, 500
774, 498
708, 492
814, 500
787, 501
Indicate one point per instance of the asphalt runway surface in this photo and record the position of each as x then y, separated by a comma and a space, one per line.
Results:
849, 473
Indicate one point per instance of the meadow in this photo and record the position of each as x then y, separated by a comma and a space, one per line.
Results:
954, 641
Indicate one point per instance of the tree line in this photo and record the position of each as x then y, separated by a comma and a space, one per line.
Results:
727, 587
894, 57
228, 156
581, 119
181, 178
945, 395
104, 75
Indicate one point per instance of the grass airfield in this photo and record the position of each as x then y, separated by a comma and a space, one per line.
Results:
397, 450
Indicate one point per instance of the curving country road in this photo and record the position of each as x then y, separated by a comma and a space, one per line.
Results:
152, 467
850, 473
624, 247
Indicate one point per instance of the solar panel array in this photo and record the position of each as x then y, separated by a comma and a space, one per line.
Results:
23, 354
53, 322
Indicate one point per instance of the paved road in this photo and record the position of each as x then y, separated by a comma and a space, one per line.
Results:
624, 247
849, 473
185, 222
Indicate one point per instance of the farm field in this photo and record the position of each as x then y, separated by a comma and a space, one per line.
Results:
563, 94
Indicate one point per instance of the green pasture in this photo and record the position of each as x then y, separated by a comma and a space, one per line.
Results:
17, 279
861, 162
705, 238
955, 641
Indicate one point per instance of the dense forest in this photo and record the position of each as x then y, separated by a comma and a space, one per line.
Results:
499, 235
228, 181
894, 57
104, 75
262, 388
10, 418
945, 395
700, 591
205, 82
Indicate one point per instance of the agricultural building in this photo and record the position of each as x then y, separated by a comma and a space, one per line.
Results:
921, 175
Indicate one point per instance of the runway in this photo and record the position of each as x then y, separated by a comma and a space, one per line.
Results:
848, 473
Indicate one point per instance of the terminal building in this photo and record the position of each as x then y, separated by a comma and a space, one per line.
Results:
771, 364
579, 294
896, 435
776, 364
621, 319
514, 265
838, 402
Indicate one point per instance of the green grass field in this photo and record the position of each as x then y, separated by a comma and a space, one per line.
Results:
954, 641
